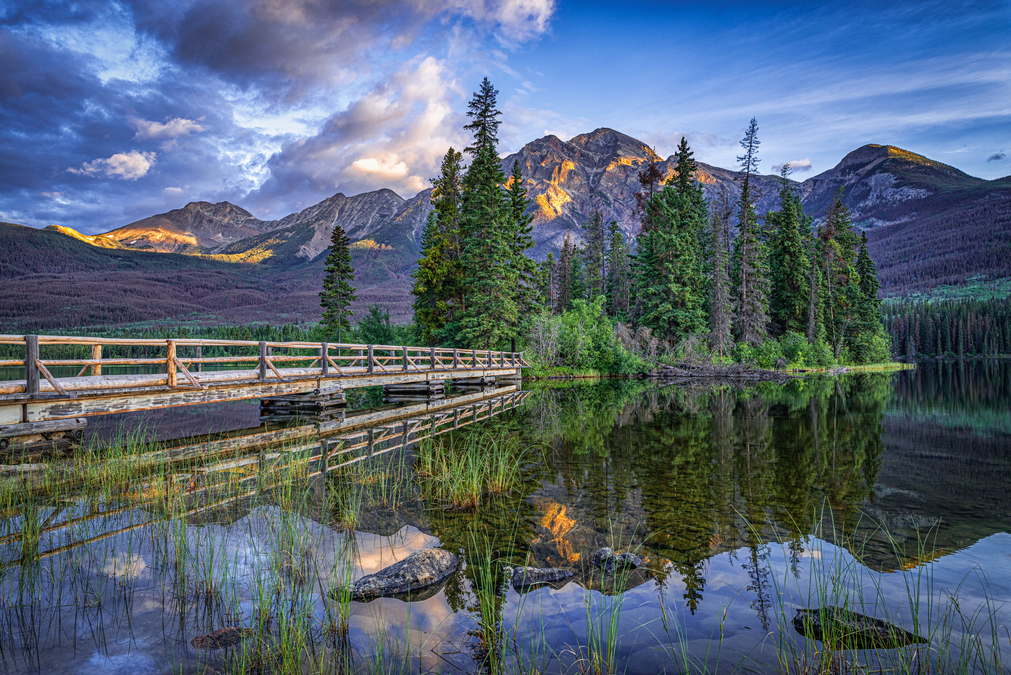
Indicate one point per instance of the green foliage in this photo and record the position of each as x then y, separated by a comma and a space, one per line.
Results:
338, 293
751, 282
768, 353
438, 281
582, 339
789, 263
670, 265
376, 328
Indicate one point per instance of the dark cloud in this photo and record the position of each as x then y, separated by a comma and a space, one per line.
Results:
996, 157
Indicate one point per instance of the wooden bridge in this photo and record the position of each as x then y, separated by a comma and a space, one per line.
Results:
44, 403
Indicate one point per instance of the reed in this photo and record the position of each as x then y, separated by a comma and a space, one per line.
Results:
460, 470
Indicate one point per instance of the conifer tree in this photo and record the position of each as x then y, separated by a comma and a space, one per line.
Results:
439, 299
564, 268
577, 277
837, 241
594, 254
789, 264
720, 307
670, 265
869, 285
751, 288
338, 293
520, 233
617, 271
487, 240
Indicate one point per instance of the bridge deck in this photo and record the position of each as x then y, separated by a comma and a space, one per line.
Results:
279, 368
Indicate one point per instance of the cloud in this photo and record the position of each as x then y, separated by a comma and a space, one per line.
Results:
996, 157
126, 165
394, 136
174, 128
795, 166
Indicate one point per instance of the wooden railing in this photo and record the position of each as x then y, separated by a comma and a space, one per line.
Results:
180, 363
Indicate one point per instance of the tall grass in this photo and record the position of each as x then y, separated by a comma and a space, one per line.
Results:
459, 471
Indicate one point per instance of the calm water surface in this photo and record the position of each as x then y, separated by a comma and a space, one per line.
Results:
888, 493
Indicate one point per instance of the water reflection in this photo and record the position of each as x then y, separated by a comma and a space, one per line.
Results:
741, 502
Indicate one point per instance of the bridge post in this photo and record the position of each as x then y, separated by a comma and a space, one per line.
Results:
96, 355
456, 358
431, 359
405, 358
170, 363
371, 361
324, 354
263, 361
199, 352
31, 368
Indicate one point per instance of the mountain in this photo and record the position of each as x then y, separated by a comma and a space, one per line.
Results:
928, 223
567, 180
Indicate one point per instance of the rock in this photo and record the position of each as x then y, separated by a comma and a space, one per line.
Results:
221, 638
844, 629
525, 578
610, 562
417, 571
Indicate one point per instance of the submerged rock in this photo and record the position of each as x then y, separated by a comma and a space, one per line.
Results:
848, 630
408, 577
221, 638
525, 578
611, 562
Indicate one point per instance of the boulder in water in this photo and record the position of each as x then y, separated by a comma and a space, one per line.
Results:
221, 638
611, 562
848, 630
417, 571
525, 578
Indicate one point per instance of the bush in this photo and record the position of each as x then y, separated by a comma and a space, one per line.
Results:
768, 353
582, 338
744, 353
795, 348
871, 348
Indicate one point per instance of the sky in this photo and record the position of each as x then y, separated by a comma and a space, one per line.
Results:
114, 111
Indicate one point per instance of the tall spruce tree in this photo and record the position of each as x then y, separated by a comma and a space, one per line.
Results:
562, 275
837, 243
439, 298
721, 338
338, 293
520, 225
617, 271
594, 254
487, 240
670, 267
870, 305
751, 315
789, 263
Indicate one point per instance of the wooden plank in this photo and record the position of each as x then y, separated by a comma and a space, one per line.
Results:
52, 380
26, 428
170, 364
32, 384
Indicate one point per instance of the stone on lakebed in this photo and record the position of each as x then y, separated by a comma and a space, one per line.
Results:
221, 638
848, 630
525, 578
408, 577
611, 562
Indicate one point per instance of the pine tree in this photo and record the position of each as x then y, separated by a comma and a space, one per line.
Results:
789, 264
751, 303
338, 293
650, 178
439, 299
720, 307
487, 240
842, 283
670, 265
870, 306
617, 271
594, 254
564, 267
520, 233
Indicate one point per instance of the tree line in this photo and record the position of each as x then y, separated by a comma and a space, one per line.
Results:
778, 286
949, 328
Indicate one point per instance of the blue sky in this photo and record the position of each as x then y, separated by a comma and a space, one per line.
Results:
113, 111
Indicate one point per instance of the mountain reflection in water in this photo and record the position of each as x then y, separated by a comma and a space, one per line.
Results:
736, 499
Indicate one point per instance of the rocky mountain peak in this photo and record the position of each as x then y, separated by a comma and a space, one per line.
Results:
612, 144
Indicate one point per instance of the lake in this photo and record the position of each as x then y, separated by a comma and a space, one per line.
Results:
882, 494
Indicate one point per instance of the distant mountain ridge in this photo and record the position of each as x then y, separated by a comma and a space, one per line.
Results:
928, 223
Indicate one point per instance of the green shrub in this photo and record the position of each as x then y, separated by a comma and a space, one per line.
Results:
744, 353
768, 353
795, 348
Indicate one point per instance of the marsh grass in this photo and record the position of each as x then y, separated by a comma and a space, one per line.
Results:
460, 470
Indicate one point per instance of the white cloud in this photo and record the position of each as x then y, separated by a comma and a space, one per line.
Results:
795, 166
126, 165
174, 128
387, 168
